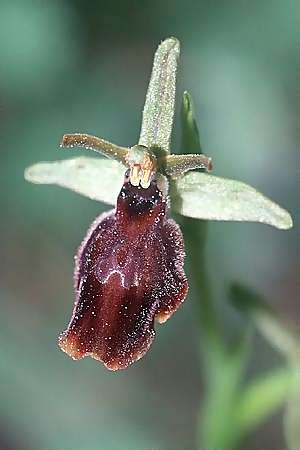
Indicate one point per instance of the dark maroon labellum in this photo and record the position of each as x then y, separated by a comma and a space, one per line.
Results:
129, 272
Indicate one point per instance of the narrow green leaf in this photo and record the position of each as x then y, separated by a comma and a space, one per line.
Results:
247, 301
195, 233
262, 398
280, 336
209, 197
284, 385
190, 138
292, 414
160, 100
217, 425
96, 178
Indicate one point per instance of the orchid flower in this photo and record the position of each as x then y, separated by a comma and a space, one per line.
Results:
129, 269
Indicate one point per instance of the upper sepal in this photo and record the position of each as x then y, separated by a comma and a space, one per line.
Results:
159, 106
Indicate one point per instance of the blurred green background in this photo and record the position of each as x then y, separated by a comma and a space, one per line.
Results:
70, 66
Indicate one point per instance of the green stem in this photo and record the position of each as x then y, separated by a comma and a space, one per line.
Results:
195, 233
221, 373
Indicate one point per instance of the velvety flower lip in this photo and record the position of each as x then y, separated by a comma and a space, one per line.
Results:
129, 273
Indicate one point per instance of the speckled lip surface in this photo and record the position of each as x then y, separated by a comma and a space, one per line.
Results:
129, 272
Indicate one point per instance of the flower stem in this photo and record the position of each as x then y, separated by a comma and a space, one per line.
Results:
195, 233
220, 373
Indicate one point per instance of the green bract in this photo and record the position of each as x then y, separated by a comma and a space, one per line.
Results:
193, 194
